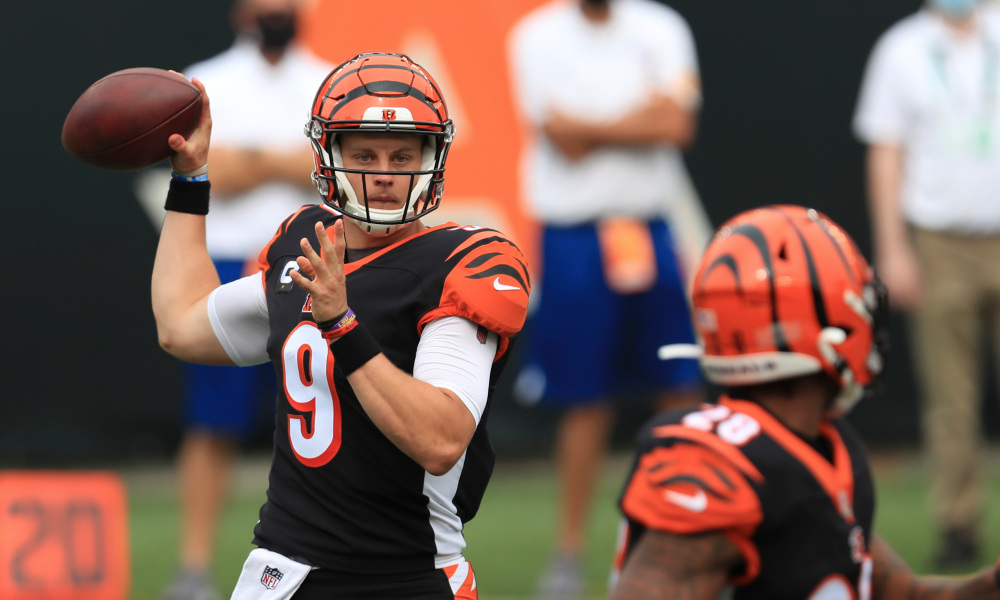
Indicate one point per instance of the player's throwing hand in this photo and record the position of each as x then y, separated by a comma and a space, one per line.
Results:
191, 154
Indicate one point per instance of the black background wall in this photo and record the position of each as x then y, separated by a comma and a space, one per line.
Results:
83, 375
83, 378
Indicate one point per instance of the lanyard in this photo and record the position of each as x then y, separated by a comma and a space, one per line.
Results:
990, 76
981, 132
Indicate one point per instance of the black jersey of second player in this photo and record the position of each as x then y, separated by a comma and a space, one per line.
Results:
802, 522
340, 494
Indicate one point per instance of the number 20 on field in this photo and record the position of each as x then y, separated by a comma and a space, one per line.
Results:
63, 536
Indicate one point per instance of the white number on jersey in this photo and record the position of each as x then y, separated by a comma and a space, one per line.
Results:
307, 364
735, 428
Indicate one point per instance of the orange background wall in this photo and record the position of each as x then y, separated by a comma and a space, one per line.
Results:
463, 44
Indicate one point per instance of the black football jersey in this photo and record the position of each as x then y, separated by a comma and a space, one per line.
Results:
802, 522
340, 494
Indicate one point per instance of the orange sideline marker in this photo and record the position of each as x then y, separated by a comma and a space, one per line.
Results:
63, 536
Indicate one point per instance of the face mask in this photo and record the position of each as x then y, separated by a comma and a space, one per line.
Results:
955, 8
276, 29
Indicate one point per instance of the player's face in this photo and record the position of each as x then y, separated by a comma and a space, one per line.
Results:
385, 152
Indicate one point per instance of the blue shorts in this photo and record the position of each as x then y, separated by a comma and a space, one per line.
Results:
587, 343
232, 401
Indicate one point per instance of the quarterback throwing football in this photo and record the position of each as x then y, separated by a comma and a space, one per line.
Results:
386, 335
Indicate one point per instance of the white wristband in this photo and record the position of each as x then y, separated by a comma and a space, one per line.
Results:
202, 170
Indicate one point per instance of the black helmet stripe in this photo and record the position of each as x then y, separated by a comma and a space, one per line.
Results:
817, 291
403, 67
838, 248
359, 57
385, 86
728, 261
329, 89
755, 235
350, 72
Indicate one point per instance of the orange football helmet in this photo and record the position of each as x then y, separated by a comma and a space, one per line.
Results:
783, 291
379, 92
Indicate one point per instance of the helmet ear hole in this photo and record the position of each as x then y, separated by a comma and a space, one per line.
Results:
781, 252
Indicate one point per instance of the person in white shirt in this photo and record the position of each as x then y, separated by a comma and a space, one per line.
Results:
262, 87
929, 112
609, 91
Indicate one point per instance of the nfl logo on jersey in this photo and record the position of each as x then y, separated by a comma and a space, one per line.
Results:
271, 577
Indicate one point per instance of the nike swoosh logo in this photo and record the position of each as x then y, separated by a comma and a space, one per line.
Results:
501, 287
696, 502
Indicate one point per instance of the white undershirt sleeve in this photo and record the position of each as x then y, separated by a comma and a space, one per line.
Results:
238, 312
451, 356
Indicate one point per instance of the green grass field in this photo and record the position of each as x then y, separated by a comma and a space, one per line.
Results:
510, 539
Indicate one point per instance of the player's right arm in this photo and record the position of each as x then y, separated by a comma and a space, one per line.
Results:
892, 579
679, 567
183, 272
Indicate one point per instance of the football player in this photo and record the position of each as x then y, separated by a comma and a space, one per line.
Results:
769, 491
386, 335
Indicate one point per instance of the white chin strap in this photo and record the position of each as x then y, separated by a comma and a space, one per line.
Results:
389, 219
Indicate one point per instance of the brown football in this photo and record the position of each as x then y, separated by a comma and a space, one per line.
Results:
122, 122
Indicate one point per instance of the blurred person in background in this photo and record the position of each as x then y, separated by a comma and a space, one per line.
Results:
261, 90
387, 336
929, 112
768, 493
610, 92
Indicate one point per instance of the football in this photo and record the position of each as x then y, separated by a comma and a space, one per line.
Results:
122, 122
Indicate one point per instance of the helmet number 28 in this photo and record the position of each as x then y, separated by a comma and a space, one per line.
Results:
307, 367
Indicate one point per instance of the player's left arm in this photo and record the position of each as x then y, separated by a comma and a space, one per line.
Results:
892, 579
431, 424
450, 387
680, 567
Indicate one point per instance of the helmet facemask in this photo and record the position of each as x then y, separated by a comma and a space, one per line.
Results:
872, 306
425, 187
